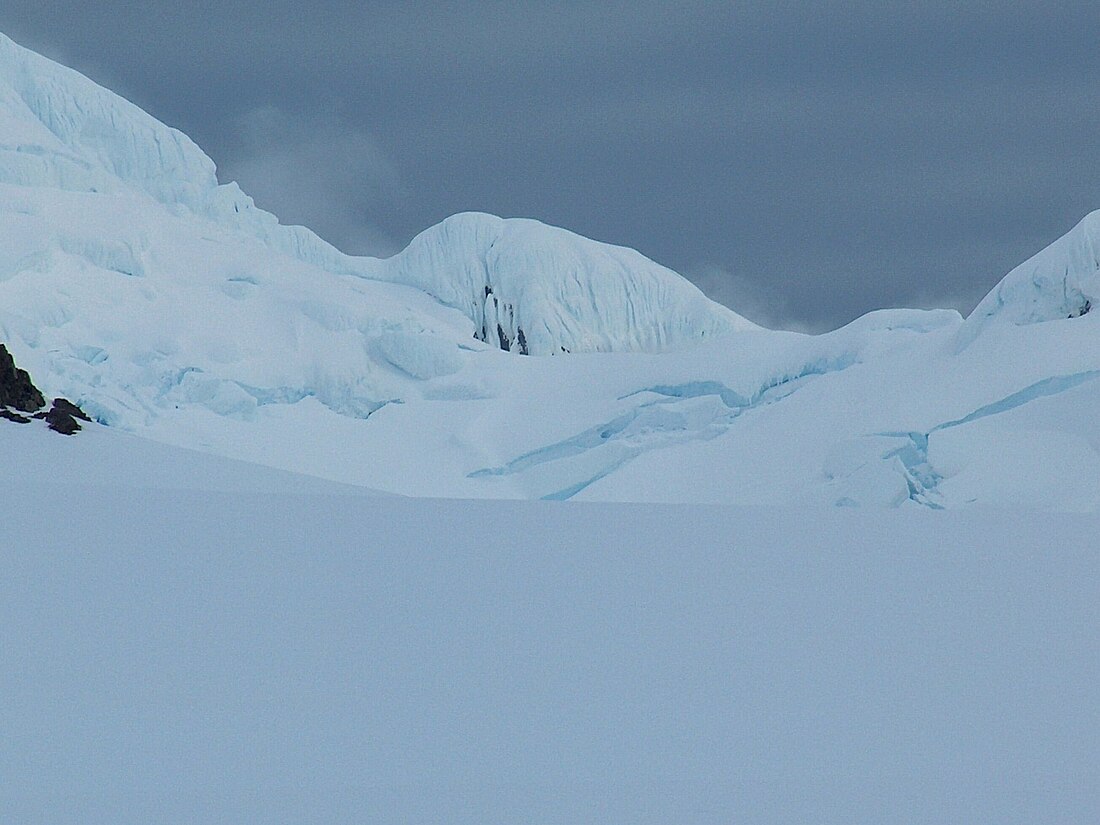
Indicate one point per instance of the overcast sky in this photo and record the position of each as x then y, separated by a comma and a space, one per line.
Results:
803, 162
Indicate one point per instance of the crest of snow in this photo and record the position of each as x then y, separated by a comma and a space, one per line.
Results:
543, 290
58, 129
526, 286
1062, 281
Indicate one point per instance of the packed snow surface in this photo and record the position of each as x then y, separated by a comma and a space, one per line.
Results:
169, 306
248, 651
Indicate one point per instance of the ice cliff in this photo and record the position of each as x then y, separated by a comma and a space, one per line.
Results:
60, 130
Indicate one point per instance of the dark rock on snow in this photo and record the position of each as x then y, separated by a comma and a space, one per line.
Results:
68, 407
62, 417
19, 393
16, 389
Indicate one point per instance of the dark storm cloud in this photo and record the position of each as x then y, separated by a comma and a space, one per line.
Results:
804, 161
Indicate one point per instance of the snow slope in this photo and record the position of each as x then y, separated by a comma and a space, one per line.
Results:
101, 458
61, 131
169, 306
266, 654
1061, 281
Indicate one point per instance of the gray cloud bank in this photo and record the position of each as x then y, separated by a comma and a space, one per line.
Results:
834, 157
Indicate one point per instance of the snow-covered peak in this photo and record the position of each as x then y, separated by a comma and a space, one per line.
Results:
1062, 281
60, 130
525, 286
542, 290
134, 283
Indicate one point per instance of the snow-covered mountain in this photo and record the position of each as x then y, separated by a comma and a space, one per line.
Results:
1062, 281
191, 636
170, 306
109, 210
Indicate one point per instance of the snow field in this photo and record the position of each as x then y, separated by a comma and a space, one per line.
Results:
220, 657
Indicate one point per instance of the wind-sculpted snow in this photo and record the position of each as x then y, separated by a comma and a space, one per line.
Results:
527, 287
537, 289
1060, 282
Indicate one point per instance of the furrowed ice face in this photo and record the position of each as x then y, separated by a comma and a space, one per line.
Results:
62, 131
541, 290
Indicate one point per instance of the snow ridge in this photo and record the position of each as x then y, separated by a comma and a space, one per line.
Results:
1060, 282
541, 290
526, 287
61, 130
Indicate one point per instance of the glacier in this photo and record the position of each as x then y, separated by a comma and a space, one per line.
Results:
1061, 281
502, 357
64, 132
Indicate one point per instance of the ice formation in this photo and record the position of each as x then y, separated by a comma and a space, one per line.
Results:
537, 289
167, 304
62, 131
1061, 281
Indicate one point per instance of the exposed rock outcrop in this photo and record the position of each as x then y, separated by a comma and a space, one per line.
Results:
16, 389
62, 417
18, 394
